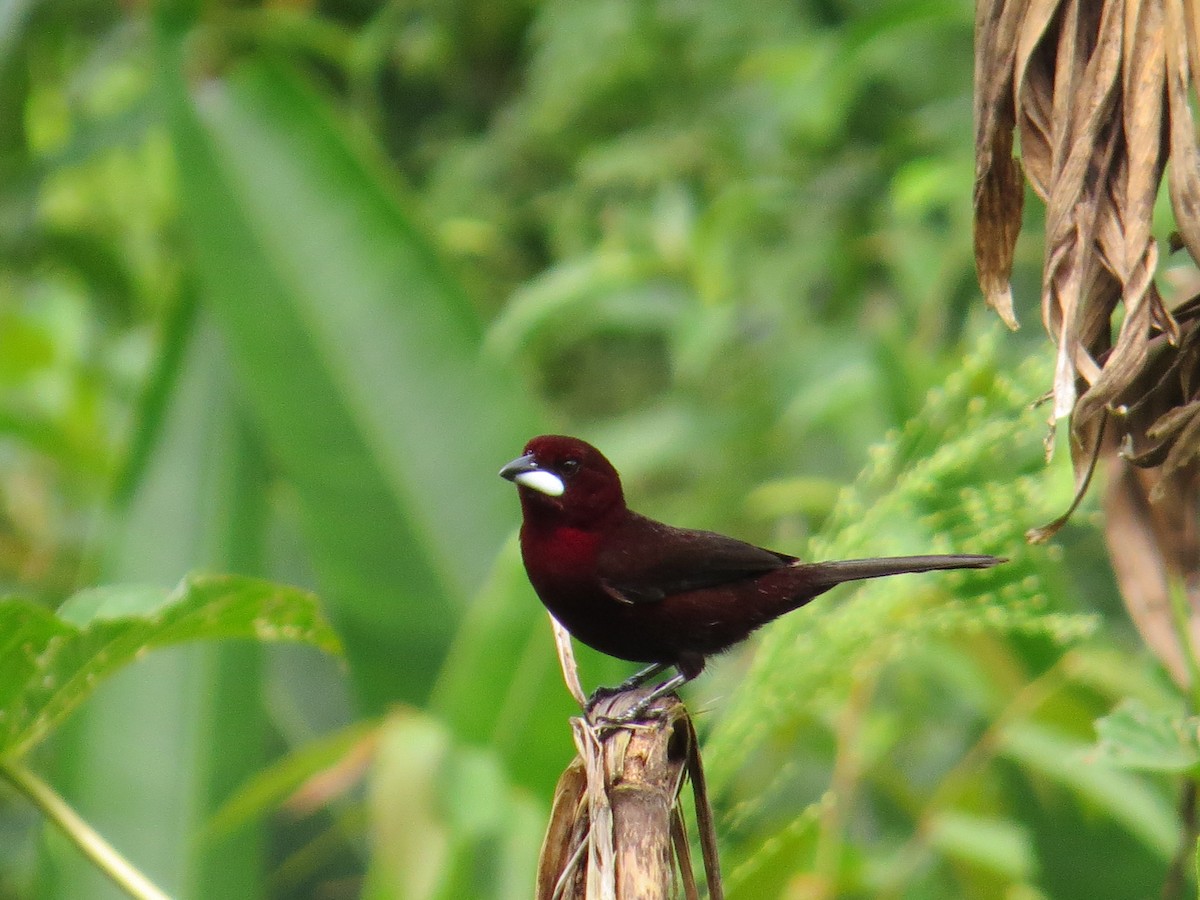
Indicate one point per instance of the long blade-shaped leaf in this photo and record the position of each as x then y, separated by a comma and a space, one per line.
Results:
360, 356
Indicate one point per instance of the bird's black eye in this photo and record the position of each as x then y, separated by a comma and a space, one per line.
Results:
569, 466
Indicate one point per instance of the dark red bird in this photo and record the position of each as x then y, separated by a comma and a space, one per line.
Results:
640, 590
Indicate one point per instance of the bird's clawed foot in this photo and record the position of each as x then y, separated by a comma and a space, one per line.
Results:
633, 681
643, 710
600, 693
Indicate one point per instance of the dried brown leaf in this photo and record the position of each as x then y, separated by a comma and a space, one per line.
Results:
1085, 453
559, 872
1143, 105
1184, 441
1190, 27
1101, 96
1184, 176
999, 199
1173, 422
1033, 85
1084, 146
1123, 365
999, 182
1151, 545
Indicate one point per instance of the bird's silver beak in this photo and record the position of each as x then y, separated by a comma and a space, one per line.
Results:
519, 466
525, 471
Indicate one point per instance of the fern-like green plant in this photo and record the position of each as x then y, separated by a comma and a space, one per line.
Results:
815, 725
966, 475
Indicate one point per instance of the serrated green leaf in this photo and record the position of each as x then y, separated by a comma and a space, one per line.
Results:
959, 475
49, 664
1134, 736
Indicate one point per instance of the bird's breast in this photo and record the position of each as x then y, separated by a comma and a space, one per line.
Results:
559, 559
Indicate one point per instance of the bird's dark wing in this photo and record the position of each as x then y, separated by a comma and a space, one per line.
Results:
644, 561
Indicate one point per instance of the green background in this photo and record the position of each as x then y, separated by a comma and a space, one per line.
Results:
282, 287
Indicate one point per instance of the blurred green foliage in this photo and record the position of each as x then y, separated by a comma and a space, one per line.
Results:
283, 285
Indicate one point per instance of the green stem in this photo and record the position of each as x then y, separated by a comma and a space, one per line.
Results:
102, 854
1181, 614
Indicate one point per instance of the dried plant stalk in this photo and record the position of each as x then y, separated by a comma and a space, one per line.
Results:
613, 827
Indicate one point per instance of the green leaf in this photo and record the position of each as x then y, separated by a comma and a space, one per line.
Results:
1000, 845
502, 685
117, 601
50, 664
359, 356
445, 820
1122, 796
273, 785
1196, 861
1134, 736
195, 500
964, 474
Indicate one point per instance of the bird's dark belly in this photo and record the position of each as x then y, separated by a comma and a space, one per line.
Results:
618, 630
695, 623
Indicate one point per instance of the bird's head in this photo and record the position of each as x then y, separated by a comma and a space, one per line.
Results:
566, 479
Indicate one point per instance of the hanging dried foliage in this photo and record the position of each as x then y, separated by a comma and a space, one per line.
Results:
1099, 92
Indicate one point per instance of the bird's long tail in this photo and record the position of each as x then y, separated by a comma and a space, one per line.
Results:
825, 575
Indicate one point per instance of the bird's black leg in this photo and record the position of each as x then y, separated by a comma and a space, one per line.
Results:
689, 665
635, 680
636, 712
